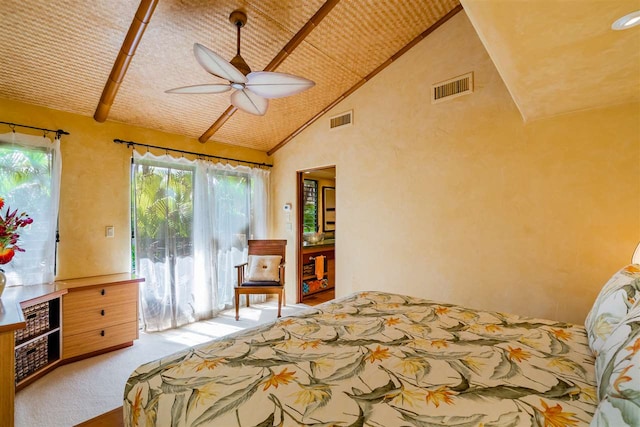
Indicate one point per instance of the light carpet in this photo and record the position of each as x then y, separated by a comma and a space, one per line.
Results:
82, 390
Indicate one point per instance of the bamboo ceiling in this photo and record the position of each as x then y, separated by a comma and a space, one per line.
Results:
59, 54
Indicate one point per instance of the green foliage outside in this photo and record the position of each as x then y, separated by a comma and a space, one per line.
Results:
163, 211
25, 178
310, 218
310, 213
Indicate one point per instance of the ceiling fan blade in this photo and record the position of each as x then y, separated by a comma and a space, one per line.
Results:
197, 89
277, 85
217, 65
249, 102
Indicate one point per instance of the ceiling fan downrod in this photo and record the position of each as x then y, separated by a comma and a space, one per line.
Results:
239, 19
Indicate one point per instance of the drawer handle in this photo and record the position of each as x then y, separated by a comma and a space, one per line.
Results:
101, 312
101, 333
102, 292
32, 316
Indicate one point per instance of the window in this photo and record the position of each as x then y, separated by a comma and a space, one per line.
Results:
30, 169
310, 197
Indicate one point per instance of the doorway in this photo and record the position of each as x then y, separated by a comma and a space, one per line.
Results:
316, 235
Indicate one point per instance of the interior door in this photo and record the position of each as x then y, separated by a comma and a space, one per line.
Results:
316, 215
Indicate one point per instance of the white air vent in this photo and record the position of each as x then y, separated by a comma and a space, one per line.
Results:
452, 88
341, 120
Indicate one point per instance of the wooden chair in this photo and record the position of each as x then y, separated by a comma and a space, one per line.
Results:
245, 287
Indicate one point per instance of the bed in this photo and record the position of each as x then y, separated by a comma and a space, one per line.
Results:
383, 359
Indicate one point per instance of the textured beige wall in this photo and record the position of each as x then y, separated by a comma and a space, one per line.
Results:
95, 184
461, 201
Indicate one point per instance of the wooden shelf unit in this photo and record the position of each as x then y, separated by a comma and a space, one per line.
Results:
308, 263
37, 347
97, 324
13, 304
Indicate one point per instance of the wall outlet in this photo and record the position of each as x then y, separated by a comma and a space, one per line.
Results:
109, 231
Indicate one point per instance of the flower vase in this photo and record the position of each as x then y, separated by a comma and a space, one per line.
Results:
3, 281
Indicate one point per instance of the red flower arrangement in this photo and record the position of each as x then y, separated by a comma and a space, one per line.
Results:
9, 236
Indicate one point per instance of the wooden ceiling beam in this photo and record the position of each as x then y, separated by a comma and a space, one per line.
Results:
276, 61
368, 77
121, 64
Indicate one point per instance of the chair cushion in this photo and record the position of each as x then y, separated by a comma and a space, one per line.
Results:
260, 283
263, 268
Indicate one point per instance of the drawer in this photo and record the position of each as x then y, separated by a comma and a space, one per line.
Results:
99, 339
78, 321
99, 297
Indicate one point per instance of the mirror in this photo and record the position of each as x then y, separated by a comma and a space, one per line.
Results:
329, 206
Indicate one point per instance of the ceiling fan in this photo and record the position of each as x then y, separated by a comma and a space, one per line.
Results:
252, 90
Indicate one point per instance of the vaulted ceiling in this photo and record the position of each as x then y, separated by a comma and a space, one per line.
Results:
60, 53
554, 56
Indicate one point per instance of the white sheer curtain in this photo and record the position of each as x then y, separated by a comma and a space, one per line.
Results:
260, 200
228, 207
238, 212
163, 228
31, 168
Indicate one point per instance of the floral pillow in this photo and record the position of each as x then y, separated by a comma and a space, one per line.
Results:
618, 374
617, 296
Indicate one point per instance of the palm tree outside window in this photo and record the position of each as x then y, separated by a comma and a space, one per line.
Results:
30, 171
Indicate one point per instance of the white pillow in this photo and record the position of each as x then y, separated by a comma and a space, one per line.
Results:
613, 303
618, 375
263, 268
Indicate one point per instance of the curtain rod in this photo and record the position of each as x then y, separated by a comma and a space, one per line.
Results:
133, 143
58, 132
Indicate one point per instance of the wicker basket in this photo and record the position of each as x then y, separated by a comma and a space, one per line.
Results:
37, 319
31, 357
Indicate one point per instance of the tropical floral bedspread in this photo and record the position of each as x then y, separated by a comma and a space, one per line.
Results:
375, 359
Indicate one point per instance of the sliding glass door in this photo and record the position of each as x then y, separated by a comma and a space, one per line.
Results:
163, 244
191, 223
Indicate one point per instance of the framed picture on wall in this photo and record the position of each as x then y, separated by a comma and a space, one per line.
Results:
329, 207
